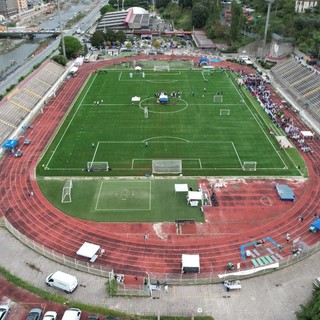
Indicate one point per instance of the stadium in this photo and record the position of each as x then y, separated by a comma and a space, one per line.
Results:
149, 180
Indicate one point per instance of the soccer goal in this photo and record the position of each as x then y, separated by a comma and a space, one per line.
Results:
66, 192
166, 166
161, 68
218, 98
224, 112
249, 166
97, 166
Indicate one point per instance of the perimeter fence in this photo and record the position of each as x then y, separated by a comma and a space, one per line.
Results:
170, 279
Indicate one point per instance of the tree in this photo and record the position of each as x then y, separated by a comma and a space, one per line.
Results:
310, 311
200, 15
73, 47
236, 20
162, 3
61, 59
97, 39
106, 9
121, 36
186, 3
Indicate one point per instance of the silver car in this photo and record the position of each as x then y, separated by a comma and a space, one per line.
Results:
4, 311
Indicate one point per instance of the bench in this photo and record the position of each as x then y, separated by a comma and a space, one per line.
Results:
94, 258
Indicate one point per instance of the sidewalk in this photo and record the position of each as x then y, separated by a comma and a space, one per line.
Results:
274, 296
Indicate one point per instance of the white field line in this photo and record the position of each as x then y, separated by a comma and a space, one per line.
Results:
69, 124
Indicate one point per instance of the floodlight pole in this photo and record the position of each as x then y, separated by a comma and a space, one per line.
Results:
267, 25
61, 31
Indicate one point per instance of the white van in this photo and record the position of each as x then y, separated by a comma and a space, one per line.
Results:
62, 281
72, 314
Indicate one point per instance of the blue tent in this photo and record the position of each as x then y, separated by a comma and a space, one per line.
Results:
10, 144
315, 226
203, 61
285, 192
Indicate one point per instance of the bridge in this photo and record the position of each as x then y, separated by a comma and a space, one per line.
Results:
27, 32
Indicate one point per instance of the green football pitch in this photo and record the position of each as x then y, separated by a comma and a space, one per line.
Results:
212, 125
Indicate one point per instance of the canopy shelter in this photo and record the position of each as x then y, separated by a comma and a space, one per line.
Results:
163, 97
10, 144
315, 226
194, 197
181, 187
285, 192
135, 99
88, 250
307, 134
190, 263
137, 68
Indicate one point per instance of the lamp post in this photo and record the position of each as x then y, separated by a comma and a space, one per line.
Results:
61, 30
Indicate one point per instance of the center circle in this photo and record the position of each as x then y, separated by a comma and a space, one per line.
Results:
173, 105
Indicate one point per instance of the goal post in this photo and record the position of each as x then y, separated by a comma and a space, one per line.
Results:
161, 68
249, 166
66, 192
224, 112
97, 166
166, 166
218, 98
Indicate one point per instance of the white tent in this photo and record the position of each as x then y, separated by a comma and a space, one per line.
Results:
88, 250
307, 134
135, 99
190, 263
181, 187
79, 61
194, 197
73, 70
137, 68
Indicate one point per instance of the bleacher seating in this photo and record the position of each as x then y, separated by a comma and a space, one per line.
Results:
23, 99
302, 82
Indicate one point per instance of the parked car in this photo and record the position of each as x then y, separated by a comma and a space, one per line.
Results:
4, 310
93, 317
50, 315
72, 314
34, 314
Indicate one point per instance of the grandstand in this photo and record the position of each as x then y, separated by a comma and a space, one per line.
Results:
133, 18
302, 83
23, 100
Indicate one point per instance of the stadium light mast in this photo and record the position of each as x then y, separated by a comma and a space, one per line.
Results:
61, 31
267, 24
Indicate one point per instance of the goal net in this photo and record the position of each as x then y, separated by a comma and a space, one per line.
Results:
224, 112
249, 166
218, 98
161, 68
66, 192
166, 166
97, 166
206, 196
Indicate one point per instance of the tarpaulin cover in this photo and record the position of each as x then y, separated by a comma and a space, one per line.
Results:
9, 144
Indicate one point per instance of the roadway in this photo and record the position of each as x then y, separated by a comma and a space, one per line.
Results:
51, 49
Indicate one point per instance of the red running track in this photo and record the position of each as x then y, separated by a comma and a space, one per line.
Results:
249, 209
